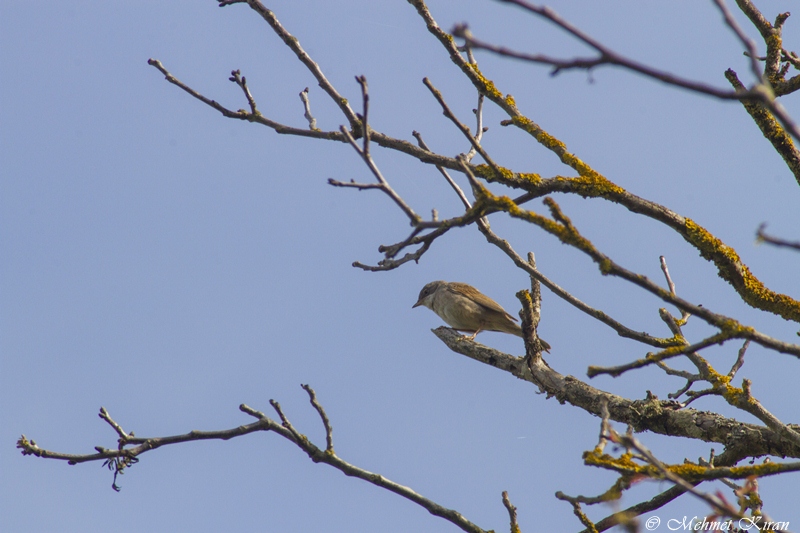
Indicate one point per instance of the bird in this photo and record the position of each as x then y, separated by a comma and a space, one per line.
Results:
465, 308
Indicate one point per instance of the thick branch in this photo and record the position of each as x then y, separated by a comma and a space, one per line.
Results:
741, 440
770, 128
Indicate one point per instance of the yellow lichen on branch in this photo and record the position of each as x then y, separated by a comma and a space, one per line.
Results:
731, 269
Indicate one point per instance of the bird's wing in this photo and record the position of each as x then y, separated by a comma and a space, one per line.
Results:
478, 297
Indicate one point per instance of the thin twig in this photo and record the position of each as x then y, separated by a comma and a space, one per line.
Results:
714, 501
312, 122
749, 44
621, 329
652, 358
684, 315
461, 127
286, 423
739, 360
747, 402
691, 379
294, 45
444, 172
123, 436
312, 396
692, 395
241, 81
382, 184
763, 237
512, 513
362, 81
363, 151
479, 129
242, 114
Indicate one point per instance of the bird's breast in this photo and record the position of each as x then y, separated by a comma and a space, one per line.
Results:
458, 312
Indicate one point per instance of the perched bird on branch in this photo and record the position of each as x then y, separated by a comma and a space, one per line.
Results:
465, 308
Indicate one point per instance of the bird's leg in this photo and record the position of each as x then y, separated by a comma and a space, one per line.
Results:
472, 337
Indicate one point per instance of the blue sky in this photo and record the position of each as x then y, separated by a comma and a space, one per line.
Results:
170, 264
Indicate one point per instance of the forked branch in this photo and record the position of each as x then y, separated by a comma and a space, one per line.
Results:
131, 447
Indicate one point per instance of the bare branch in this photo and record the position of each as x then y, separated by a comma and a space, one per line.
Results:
382, 184
692, 396
123, 436
297, 437
639, 509
744, 400
312, 122
605, 56
444, 173
479, 129
622, 330
142, 445
512, 513
749, 44
362, 81
715, 502
241, 81
684, 315
253, 116
739, 360
654, 358
461, 127
263, 423
560, 225
312, 396
763, 237
294, 45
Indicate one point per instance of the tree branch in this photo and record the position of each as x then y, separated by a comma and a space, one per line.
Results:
263, 423
661, 417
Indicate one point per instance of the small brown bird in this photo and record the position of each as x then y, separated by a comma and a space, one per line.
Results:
465, 308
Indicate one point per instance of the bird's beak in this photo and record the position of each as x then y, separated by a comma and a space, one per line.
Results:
419, 302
